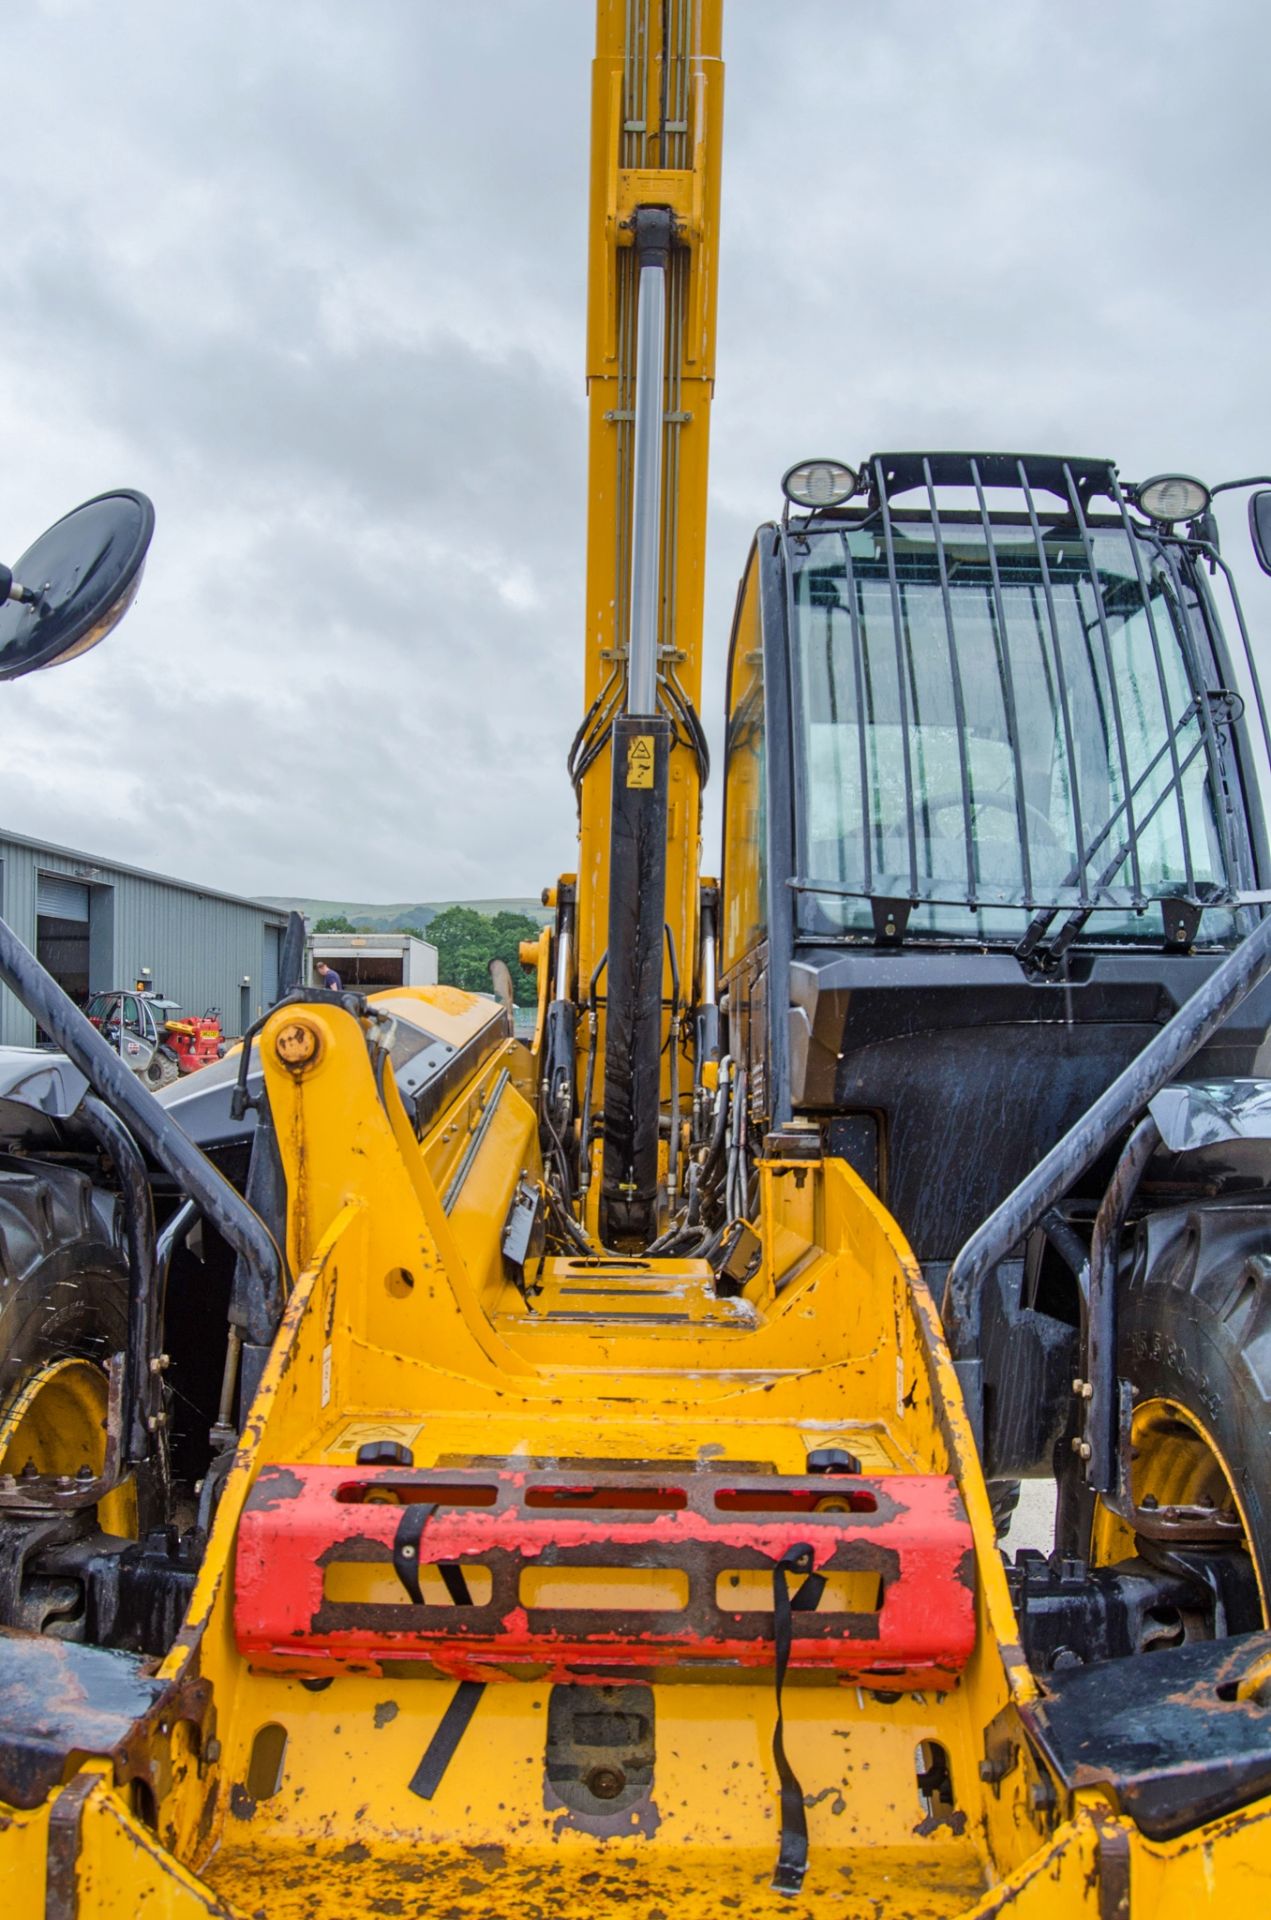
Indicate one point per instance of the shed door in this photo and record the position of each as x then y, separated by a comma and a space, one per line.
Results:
61, 930
59, 899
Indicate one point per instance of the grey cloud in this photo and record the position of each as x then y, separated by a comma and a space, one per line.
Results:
314, 276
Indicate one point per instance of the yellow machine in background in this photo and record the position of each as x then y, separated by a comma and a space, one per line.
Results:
594, 1515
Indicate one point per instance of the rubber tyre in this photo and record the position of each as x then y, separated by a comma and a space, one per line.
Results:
1003, 1500
161, 1072
1195, 1328
66, 1291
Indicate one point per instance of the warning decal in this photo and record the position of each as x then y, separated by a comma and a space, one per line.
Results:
640, 760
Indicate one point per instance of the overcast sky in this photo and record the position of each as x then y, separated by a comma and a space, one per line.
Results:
312, 276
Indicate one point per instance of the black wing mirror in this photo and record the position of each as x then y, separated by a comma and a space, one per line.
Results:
1260, 528
76, 583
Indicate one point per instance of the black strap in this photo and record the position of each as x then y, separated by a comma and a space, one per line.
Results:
456, 1585
415, 1518
792, 1861
451, 1728
453, 1724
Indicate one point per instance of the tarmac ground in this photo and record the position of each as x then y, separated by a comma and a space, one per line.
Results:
1034, 1521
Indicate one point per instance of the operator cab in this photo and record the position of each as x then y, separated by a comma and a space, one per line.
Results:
132, 1022
990, 815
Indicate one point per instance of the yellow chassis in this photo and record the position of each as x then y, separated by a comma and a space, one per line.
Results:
403, 1325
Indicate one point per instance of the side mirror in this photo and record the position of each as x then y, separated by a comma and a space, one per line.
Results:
76, 583
1260, 528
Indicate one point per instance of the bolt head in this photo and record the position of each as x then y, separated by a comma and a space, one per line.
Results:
296, 1044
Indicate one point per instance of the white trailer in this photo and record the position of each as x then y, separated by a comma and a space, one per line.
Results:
369, 960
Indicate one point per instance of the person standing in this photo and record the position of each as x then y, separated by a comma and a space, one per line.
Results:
328, 977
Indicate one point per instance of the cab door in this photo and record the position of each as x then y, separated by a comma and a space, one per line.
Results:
135, 1045
755, 898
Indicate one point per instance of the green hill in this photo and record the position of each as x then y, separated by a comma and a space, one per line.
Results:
408, 915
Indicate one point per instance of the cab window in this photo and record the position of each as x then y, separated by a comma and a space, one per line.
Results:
745, 789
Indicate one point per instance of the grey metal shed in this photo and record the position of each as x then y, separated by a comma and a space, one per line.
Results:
99, 923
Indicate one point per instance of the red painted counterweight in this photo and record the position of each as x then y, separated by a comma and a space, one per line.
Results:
903, 1608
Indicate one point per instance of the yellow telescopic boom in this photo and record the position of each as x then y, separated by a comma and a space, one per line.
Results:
656, 128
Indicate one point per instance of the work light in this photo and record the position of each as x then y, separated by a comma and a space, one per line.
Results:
819, 483
1173, 496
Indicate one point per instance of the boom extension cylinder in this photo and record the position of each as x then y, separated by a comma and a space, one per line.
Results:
641, 753
653, 247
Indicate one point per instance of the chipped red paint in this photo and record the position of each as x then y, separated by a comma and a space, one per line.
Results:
909, 1529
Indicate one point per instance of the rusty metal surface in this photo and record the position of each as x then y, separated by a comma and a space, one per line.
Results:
1166, 1732
59, 1699
909, 1531
1115, 1856
61, 1895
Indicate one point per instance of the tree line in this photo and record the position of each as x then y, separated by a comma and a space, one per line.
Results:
466, 942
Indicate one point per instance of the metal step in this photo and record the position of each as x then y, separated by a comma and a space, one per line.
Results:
614, 1293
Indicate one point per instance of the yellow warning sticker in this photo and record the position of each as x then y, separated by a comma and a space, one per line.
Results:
640, 760
356, 1433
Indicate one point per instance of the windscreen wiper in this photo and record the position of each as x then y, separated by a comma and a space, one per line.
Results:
1055, 949
1035, 933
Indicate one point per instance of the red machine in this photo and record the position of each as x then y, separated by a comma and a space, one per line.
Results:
156, 1047
195, 1038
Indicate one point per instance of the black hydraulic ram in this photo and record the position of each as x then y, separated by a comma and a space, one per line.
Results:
143, 1400
641, 751
124, 1097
